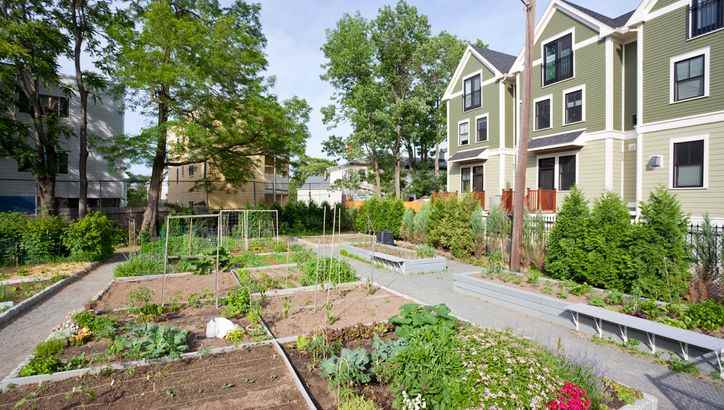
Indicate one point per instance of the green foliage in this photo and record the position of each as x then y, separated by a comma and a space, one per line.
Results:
45, 358
596, 301
151, 341
566, 256
707, 315
235, 336
659, 249
351, 401
326, 270
413, 316
407, 229
425, 251
350, 368
449, 225
12, 225
682, 366
237, 302
139, 265
705, 253
534, 241
318, 347
42, 238
422, 222
90, 238
614, 297
380, 214
383, 351
101, 326
140, 296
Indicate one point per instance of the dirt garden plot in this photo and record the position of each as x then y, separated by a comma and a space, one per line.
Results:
19, 291
389, 250
178, 287
245, 379
329, 239
274, 278
42, 271
295, 314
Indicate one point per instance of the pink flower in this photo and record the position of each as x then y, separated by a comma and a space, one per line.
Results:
570, 397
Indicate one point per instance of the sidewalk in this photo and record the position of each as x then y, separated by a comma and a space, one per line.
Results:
18, 339
673, 390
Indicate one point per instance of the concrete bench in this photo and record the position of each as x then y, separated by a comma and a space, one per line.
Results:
651, 329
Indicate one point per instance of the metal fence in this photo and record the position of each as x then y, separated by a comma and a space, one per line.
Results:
696, 231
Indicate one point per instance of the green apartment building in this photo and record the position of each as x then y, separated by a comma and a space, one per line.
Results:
622, 104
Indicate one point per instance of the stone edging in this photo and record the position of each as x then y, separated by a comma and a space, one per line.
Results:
23, 307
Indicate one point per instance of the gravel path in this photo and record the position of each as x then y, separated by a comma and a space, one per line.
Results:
673, 390
20, 337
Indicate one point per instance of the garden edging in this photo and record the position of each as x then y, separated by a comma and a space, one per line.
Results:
26, 305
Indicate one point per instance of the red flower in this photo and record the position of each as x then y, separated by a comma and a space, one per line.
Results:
570, 397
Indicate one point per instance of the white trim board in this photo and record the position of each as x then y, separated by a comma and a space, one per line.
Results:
564, 113
690, 121
535, 114
706, 52
470, 51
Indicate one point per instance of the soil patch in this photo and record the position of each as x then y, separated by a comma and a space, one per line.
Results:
295, 314
389, 250
247, 379
344, 238
280, 278
178, 288
18, 292
42, 270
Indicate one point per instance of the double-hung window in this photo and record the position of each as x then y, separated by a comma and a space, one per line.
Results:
543, 114
688, 166
481, 125
566, 172
465, 179
573, 106
558, 60
689, 78
706, 16
564, 166
478, 173
471, 92
464, 133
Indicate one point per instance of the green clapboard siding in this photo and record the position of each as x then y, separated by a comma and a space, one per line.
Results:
489, 105
666, 37
617, 91
589, 70
509, 116
630, 72
558, 23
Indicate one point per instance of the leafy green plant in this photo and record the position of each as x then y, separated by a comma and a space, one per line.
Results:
579, 289
449, 226
329, 313
533, 276
413, 316
324, 270
140, 296
566, 256
407, 229
380, 214
151, 341
149, 312
318, 347
383, 351
101, 326
78, 361
237, 302
235, 336
91, 237
425, 251
42, 238
614, 297
705, 252
682, 366
707, 315
139, 265
350, 368
596, 301
12, 225
45, 358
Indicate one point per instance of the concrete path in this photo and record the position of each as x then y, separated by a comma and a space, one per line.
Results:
674, 391
18, 339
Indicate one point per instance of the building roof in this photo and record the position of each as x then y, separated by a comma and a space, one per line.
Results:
467, 155
614, 22
554, 141
501, 61
315, 182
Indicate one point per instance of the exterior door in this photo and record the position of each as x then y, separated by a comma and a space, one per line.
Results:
478, 175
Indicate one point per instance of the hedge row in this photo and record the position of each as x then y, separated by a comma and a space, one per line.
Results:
25, 239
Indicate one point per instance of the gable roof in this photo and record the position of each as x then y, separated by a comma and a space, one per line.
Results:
501, 61
613, 22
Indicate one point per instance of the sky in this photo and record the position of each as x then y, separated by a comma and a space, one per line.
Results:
295, 31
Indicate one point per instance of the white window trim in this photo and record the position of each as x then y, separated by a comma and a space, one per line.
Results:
460, 144
556, 170
487, 129
478, 73
672, 62
581, 87
691, 25
550, 112
677, 140
555, 37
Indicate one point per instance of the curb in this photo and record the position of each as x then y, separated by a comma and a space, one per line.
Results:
25, 306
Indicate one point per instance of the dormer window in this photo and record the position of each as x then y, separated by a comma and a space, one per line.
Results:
706, 16
558, 60
471, 92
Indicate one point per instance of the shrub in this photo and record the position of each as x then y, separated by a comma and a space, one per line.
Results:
449, 225
659, 250
707, 315
498, 230
705, 254
237, 302
477, 224
380, 214
12, 225
139, 265
407, 229
90, 238
566, 256
534, 241
424, 251
608, 263
422, 222
42, 238
45, 358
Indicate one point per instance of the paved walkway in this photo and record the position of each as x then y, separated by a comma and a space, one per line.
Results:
674, 391
18, 339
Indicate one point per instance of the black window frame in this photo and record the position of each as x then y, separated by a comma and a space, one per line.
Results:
473, 92
565, 181
558, 46
677, 161
708, 8
538, 116
463, 172
474, 176
192, 169
477, 129
701, 77
567, 110
63, 162
548, 168
62, 106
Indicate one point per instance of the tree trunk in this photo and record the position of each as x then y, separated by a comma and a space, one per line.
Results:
378, 184
150, 214
83, 132
396, 153
437, 160
46, 195
522, 157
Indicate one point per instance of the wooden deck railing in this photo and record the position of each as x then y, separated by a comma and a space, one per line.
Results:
479, 196
536, 200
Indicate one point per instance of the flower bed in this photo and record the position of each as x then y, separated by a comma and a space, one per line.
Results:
424, 358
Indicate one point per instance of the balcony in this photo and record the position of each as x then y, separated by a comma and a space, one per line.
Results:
536, 200
479, 196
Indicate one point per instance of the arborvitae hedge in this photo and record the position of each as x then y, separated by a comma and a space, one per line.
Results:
566, 254
380, 214
449, 226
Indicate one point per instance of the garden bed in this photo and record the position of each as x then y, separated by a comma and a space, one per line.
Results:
178, 287
17, 292
398, 259
41, 271
336, 239
424, 356
294, 314
273, 278
244, 379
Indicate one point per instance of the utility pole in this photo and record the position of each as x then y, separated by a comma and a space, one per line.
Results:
522, 157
